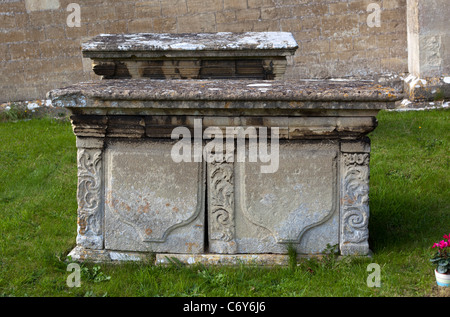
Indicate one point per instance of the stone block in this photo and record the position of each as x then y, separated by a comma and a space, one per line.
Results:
255, 55
338, 8
138, 25
341, 44
162, 25
427, 89
202, 22
7, 21
146, 12
25, 51
4, 51
234, 4
40, 5
198, 6
173, 8
270, 13
225, 16
16, 69
55, 32
339, 25
13, 36
260, 3
310, 9
316, 46
124, 11
248, 14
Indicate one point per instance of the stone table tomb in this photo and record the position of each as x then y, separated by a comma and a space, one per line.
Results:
177, 158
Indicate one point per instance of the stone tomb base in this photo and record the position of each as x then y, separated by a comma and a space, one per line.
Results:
104, 256
136, 201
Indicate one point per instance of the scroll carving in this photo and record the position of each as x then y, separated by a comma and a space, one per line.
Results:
89, 198
221, 206
355, 199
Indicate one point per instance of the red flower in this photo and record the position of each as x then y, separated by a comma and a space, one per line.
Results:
443, 244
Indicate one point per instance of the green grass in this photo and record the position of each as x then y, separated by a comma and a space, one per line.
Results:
410, 210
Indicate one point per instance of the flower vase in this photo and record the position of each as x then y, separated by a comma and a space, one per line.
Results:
442, 279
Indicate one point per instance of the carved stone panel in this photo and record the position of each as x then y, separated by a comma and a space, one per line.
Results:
221, 207
89, 197
151, 202
295, 205
354, 203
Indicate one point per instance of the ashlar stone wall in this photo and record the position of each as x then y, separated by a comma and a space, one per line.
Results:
41, 51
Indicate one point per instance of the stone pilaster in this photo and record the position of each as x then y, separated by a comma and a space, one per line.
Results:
90, 193
221, 207
354, 207
428, 50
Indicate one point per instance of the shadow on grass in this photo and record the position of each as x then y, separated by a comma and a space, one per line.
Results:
409, 194
415, 223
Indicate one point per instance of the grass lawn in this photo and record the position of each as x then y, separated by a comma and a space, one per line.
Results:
409, 204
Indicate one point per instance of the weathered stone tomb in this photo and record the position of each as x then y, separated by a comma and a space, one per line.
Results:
193, 146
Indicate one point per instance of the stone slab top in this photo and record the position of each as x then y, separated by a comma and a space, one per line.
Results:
190, 44
228, 90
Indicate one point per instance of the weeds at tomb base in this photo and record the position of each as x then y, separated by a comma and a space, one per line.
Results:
409, 204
